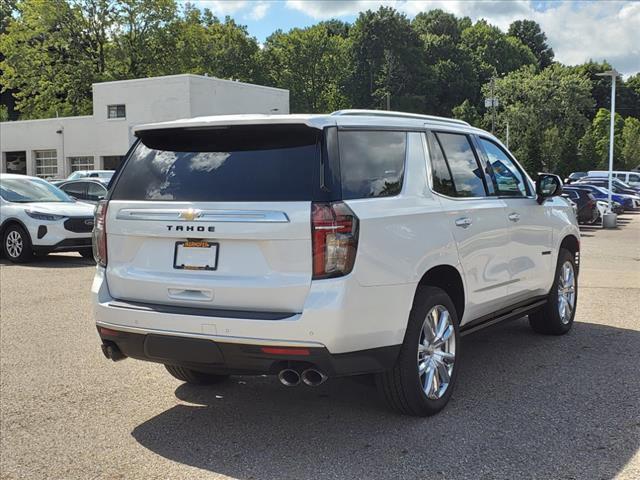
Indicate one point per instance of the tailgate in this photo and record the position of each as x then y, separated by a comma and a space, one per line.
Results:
259, 259
215, 218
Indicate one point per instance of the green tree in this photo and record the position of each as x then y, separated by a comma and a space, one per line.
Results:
207, 45
7, 9
530, 34
386, 58
142, 45
450, 70
627, 93
633, 82
547, 114
495, 52
602, 131
587, 158
467, 112
310, 62
440, 23
52, 54
631, 143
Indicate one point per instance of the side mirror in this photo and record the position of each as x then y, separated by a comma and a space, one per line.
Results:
548, 185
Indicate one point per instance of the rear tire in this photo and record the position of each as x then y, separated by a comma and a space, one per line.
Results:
421, 381
194, 377
16, 244
556, 316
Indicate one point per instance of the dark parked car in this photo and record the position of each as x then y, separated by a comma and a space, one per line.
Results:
617, 185
90, 190
602, 193
587, 208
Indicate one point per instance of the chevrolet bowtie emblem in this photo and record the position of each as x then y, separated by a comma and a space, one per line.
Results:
190, 214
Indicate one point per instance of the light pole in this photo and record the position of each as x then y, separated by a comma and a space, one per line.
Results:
609, 220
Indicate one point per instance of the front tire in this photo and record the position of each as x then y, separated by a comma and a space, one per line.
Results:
556, 317
16, 244
194, 377
421, 382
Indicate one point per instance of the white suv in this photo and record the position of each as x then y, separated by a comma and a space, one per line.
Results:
38, 218
318, 246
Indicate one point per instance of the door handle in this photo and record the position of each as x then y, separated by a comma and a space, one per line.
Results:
463, 222
514, 217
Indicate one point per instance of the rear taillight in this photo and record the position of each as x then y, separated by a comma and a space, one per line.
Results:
99, 240
334, 230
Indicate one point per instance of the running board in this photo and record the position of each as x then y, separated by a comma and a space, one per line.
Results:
503, 317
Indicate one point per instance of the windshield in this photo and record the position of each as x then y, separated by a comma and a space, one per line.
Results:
25, 190
77, 174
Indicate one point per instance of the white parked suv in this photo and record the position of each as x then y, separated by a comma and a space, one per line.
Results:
318, 246
38, 218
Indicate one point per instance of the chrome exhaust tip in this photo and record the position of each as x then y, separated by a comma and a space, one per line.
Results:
313, 377
289, 377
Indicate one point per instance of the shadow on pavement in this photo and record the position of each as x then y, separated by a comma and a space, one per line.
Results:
52, 261
526, 406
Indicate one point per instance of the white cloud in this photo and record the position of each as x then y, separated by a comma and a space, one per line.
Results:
222, 7
259, 10
577, 31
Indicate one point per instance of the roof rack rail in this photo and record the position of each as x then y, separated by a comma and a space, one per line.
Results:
388, 113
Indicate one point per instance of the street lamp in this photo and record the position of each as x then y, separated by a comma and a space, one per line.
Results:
609, 219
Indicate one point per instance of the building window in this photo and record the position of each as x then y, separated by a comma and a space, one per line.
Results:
46, 163
116, 111
112, 162
81, 163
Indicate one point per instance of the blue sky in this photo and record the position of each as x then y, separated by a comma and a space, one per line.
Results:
576, 30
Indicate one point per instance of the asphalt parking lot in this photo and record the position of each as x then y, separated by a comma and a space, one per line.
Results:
526, 405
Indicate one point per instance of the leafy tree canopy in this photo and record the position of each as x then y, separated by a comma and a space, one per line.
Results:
530, 34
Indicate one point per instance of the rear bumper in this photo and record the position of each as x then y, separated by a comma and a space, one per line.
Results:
238, 359
339, 315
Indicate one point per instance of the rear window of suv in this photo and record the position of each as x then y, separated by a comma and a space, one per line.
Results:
235, 163
371, 163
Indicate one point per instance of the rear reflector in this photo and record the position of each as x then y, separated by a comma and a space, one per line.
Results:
285, 351
108, 332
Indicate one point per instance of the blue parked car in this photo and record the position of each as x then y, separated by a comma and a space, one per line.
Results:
603, 194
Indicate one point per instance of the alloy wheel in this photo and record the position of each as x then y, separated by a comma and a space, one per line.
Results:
14, 244
436, 352
566, 292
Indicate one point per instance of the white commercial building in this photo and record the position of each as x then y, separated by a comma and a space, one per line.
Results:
54, 147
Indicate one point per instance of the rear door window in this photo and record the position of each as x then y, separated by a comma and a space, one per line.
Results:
235, 163
440, 173
468, 177
371, 163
